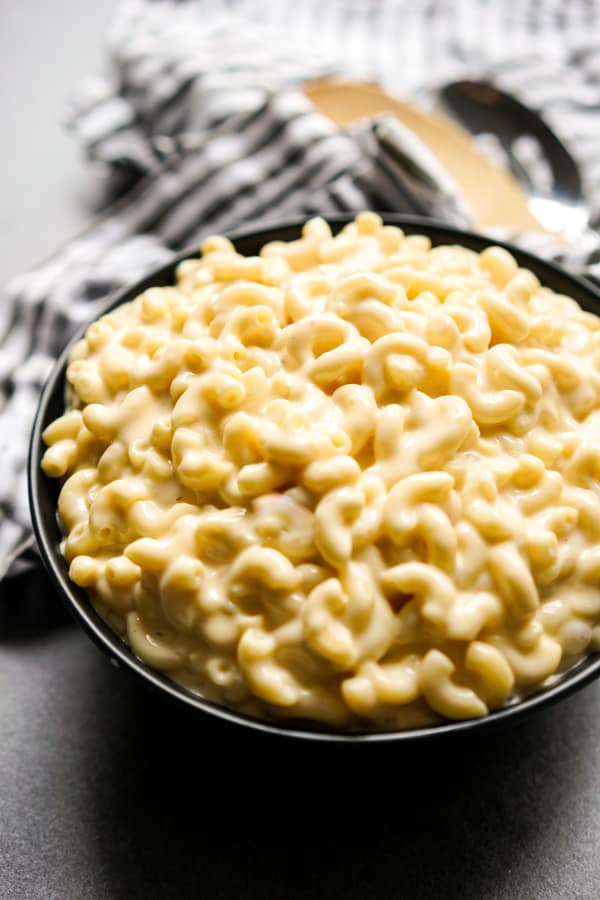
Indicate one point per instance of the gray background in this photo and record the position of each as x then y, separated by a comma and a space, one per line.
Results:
106, 791
46, 189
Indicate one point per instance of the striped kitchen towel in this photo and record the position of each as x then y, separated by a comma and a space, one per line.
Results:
199, 115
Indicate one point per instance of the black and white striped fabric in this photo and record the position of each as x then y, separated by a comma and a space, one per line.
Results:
200, 112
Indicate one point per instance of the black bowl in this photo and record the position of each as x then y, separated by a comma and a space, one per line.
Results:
43, 495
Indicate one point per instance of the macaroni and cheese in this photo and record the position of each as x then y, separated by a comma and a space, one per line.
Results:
354, 479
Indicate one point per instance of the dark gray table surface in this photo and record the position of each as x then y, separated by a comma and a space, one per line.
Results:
107, 791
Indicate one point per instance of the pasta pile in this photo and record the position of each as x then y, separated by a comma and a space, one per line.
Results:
354, 479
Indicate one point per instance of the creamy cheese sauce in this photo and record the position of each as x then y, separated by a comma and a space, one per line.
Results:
354, 479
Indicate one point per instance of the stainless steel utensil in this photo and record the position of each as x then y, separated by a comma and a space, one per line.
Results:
555, 196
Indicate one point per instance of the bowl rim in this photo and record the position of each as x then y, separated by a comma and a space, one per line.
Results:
47, 533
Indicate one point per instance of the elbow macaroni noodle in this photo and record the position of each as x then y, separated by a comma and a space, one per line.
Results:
355, 479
